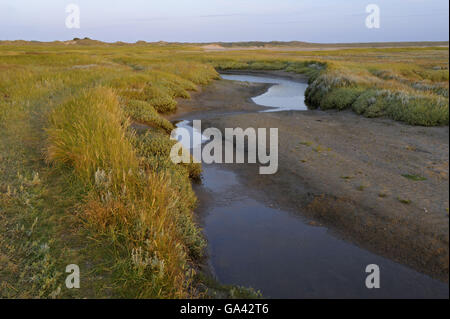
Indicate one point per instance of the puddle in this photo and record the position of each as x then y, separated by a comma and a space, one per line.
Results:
284, 95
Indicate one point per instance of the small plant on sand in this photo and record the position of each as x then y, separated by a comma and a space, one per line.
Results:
414, 177
404, 200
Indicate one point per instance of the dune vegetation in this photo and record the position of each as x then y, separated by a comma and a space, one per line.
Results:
79, 185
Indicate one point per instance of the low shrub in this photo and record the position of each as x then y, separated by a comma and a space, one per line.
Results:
143, 112
89, 131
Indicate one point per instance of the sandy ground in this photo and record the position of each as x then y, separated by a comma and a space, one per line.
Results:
345, 171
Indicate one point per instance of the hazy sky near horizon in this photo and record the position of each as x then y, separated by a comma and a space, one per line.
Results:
324, 21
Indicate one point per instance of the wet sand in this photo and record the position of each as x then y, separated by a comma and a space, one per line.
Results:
344, 172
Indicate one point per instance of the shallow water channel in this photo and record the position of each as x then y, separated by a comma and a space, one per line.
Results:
283, 95
254, 243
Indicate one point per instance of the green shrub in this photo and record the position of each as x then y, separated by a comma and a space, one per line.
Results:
143, 112
156, 147
340, 98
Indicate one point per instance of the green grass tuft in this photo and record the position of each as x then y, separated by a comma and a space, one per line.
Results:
414, 177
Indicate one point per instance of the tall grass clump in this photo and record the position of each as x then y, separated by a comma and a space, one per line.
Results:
416, 109
146, 113
88, 132
145, 212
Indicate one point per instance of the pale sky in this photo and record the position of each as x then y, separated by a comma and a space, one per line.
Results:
324, 21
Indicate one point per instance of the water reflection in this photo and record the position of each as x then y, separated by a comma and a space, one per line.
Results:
284, 95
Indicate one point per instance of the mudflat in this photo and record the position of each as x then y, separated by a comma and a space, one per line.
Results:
380, 184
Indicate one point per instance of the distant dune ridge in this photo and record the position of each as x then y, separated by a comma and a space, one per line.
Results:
249, 45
